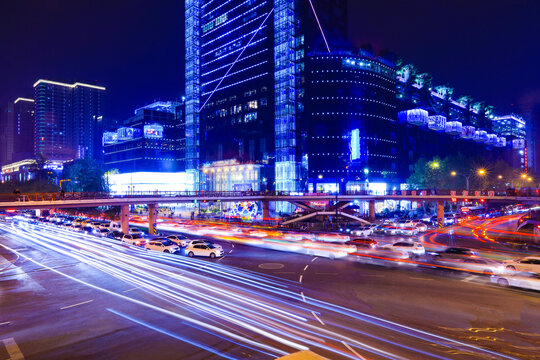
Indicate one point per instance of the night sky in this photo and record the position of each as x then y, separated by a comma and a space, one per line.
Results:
488, 49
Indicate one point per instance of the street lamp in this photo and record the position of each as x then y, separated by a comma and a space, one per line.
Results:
499, 177
480, 172
529, 179
435, 165
523, 176
320, 176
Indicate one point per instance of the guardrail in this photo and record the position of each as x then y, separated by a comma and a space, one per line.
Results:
230, 194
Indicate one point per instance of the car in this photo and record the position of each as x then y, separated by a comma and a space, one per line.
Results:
524, 280
391, 230
134, 239
179, 240
76, 226
134, 231
413, 248
199, 242
528, 264
199, 249
362, 231
362, 244
409, 231
104, 226
100, 232
115, 234
456, 252
163, 245
472, 263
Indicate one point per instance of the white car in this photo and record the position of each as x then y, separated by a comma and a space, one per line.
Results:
522, 280
134, 231
100, 232
179, 240
134, 239
527, 264
162, 244
209, 250
472, 263
409, 231
362, 231
413, 248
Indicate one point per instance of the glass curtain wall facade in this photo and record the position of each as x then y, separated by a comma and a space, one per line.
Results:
16, 136
67, 120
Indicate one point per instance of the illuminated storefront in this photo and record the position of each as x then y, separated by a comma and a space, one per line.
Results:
229, 175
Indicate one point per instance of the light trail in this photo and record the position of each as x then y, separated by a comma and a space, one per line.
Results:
263, 313
319, 23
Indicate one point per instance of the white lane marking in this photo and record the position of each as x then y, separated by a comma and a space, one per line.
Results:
232, 244
128, 290
230, 251
352, 350
315, 258
419, 278
5, 323
318, 318
300, 280
13, 349
305, 268
81, 303
221, 258
470, 278
301, 293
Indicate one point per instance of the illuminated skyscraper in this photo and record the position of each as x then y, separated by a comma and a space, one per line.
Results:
17, 129
244, 69
68, 120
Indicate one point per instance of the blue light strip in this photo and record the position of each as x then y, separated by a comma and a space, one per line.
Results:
236, 72
233, 19
238, 57
236, 83
206, 73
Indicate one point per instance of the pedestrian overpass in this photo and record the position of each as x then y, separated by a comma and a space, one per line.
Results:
302, 200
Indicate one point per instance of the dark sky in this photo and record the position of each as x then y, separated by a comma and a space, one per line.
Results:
488, 49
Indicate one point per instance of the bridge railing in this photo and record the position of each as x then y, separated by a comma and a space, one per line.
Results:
59, 196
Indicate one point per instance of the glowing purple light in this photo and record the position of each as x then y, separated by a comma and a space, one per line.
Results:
319, 23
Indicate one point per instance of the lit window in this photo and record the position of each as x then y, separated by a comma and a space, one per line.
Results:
252, 104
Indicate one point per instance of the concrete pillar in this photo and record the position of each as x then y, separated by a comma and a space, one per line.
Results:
440, 213
266, 210
152, 219
124, 218
371, 210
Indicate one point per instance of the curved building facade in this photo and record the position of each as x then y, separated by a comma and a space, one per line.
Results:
350, 121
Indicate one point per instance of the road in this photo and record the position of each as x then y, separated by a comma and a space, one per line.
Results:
68, 296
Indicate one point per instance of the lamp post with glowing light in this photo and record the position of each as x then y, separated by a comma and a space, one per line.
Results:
479, 172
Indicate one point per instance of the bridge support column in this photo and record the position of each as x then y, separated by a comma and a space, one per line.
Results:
371, 210
124, 218
265, 209
152, 219
440, 213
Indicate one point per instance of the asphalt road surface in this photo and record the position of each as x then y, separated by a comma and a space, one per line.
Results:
73, 296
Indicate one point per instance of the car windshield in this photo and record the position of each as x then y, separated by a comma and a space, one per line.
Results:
167, 243
211, 246
137, 236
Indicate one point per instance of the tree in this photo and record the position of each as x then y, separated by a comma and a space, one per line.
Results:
86, 175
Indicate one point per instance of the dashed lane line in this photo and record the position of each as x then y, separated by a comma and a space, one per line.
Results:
128, 290
352, 350
315, 258
81, 303
305, 268
13, 349
5, 323
300, 279
318, 318
303, 297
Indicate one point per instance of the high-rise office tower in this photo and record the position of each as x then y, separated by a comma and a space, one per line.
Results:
244, 76
17, 124
68, 120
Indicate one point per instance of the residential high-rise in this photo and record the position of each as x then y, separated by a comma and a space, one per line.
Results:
68, 120
16, 136
244, 66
